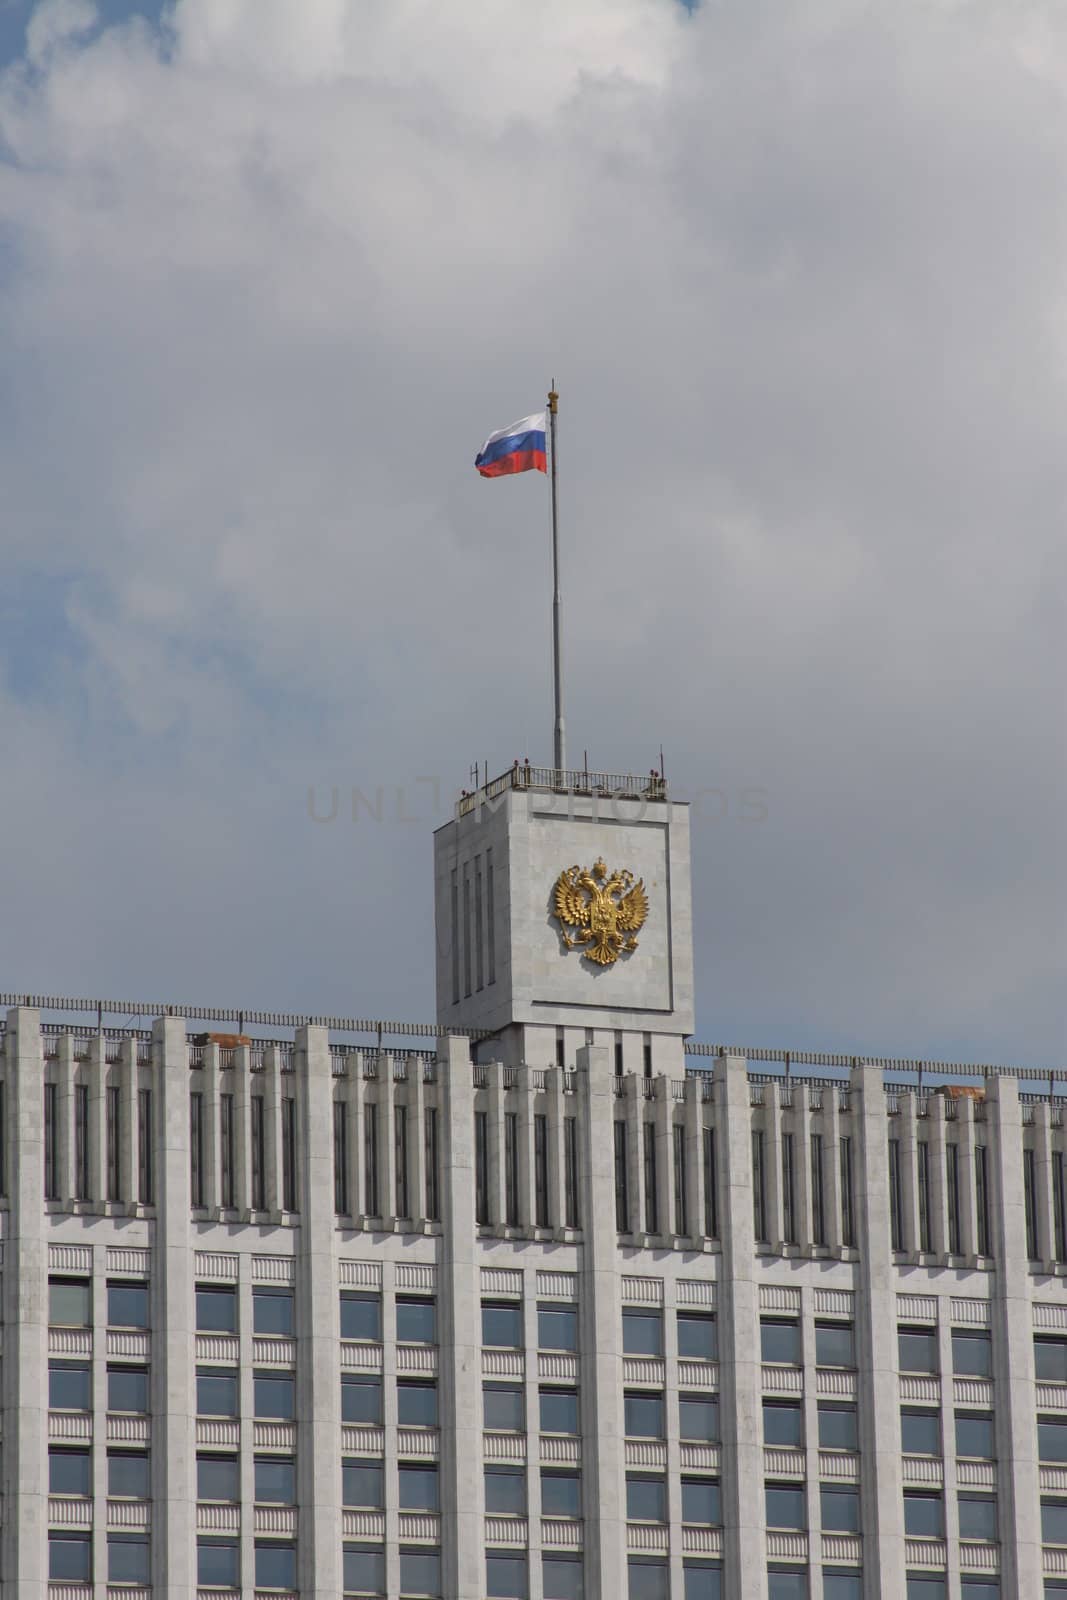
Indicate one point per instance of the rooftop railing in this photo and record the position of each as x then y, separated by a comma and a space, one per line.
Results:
558, 780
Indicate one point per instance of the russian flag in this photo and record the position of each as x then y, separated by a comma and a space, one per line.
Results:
520, 448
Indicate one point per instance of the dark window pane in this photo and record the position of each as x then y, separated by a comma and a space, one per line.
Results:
780, 1343
974, 1435
979, 1589
642, 1333
69, 1304
561, 1494
416, 1322
562, 1577
127, 1558
840, 1510
273, 1395
275, 1481
218, 1563
420, 1572
696, 1337
557, 1327
785, 1585
216, 1310
70, 1472
1050, 1360
646, 1499
127, 1389
842, 1585
418, 1489
362, 1483
978, 1516
502, 1326
504, 1407
648, 1579
361, 1400
698, 1418
217, 1478
701, 1502
702, 1580
70, 1556
1054, 1521
644, 1416
127, 1305
275, 1566
920, 1587
782, 1424
920, 1433
127, 1474
559, 1410
272, 1313
216, 1394
364, 1570
416, 1404
838, 1428
917, 1350
972, 1355
505, 1577
923, 1516
69, 1387
785, 1506
835, 1344
361, 1317
505, 1491
1051, 1440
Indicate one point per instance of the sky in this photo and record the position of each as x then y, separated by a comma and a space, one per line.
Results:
269, 274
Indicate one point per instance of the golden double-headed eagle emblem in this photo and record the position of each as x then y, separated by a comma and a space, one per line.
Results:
606, 912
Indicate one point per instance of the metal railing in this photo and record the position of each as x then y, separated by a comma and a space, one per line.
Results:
558, 780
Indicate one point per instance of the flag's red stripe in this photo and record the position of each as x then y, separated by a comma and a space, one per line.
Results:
521, 461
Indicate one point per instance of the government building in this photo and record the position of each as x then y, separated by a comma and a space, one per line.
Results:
550, 1303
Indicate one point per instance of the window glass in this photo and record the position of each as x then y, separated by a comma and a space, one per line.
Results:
974, 1435
786, 1584
218, 1563
785, 1506
696, 1337
69, 1386
561, 1494
361, 1399
1051, 1440
420, 1572
559, 1410
920, 1433
646, 1498
70, 1556
504, 1407
644, 1416
275, 1480
127, 1558
272, 1313
505, 1491
416, 1321
835, 1344
972, 1354
505, 1576
841, 1585
418, 1488
216, 1310
1050, 1360
978, 1516
923, 1515
416, 1404
783, 1423
217, 1478
361, 1317
698, 1418
362, 1483
642, 1333
702, 1580
647, 1579
921, 1587
501, 1325
70, 1472
272, 1394
69, 1304
127, 1305
275, 1566
1054, 1521
700, 1501
364, 1569
127, 1474
838, 1427
917, 1349
127, 1388
216, 1393
561, 1577
557, 1327
979, 1589
779, 1342
840, 1509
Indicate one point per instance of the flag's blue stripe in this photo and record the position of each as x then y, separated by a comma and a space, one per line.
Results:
534, 440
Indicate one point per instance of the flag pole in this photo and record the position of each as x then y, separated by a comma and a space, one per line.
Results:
559, 741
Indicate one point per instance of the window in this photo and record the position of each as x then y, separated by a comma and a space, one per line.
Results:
127, 1474
818, 1197
481, 1168
570, 1170
789, 1208
1050, 1360
216, 1392
701, 1580
896, 1199
561, 1577
217, 1478
785, 1506
642, 1333
979, 1589
759, 1204
978, 1517
835, 1344
467, 968
557, 1327
681, 1204
70, 1472
974, 1435
541, 1171
696, 1337
128, 1558
420, 1572
362, 1483
711, 1202
275, 1565
112, 1117
502, 1324
783, 1423
561, 1494
1054, 1521
972, 1354
69, 1303
952, 1179
69, 1386
504, 1408
400, 1152
559, 1410
272, 1312
218, 1563
505, 1491
779, 1342
644, 1415
1030, 1192
289, 1153
505, 1575
924, 1516
842, 1584
432, 1164
917, 1350
81, 1140
216, 1310
226, 1150
273, 1395
340, 1158
698, 1418
787, 1583
700, 1502
361, 1399
364, 1567
145, 1170
919, 1586
840, 1509
920, 1433
622, 1186
511, 1168
418, 1488
70, 1557
51, 1189
1051, 1439
361, 1316
255, 1106
838, 1427
196, 1148
646, 1498
981, 1196
371, 1205
848, 1213
647, 1578
127, 1389
275, 1480
651, 1197
416, 1403
922, 1154
127, 1305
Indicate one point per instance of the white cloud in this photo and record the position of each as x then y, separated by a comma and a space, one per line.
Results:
57, 22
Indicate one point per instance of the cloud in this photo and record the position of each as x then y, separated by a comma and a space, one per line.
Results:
269, 274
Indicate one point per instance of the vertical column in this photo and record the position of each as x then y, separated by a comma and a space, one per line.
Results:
173, 1376
740, 1369
386, 1141
968, 1197
416, 1103
356, 1155
67, 1183
1013, 1348
1046, 1222
527, 1198
247, 1404
801, 1120
772, 1165
661, 1112
674, 1448
273, 1186
242, 1133
603, 1458
497, 1189
831, 1166
389, 1416
318, 1351
209, 1084
461, 1341
532, 1461
128, 1123
633, 1088
938, 1177
24, 1538
98, 1303
557, 1200
97, 1070
909, 1173
876, 1323
694, 1157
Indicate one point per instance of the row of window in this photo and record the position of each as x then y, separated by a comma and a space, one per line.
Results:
685, 1225
406, 1202
543, 1217
82, 1112
128, 1560
920, 1237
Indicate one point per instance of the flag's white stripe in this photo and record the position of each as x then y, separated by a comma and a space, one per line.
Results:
534, 424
